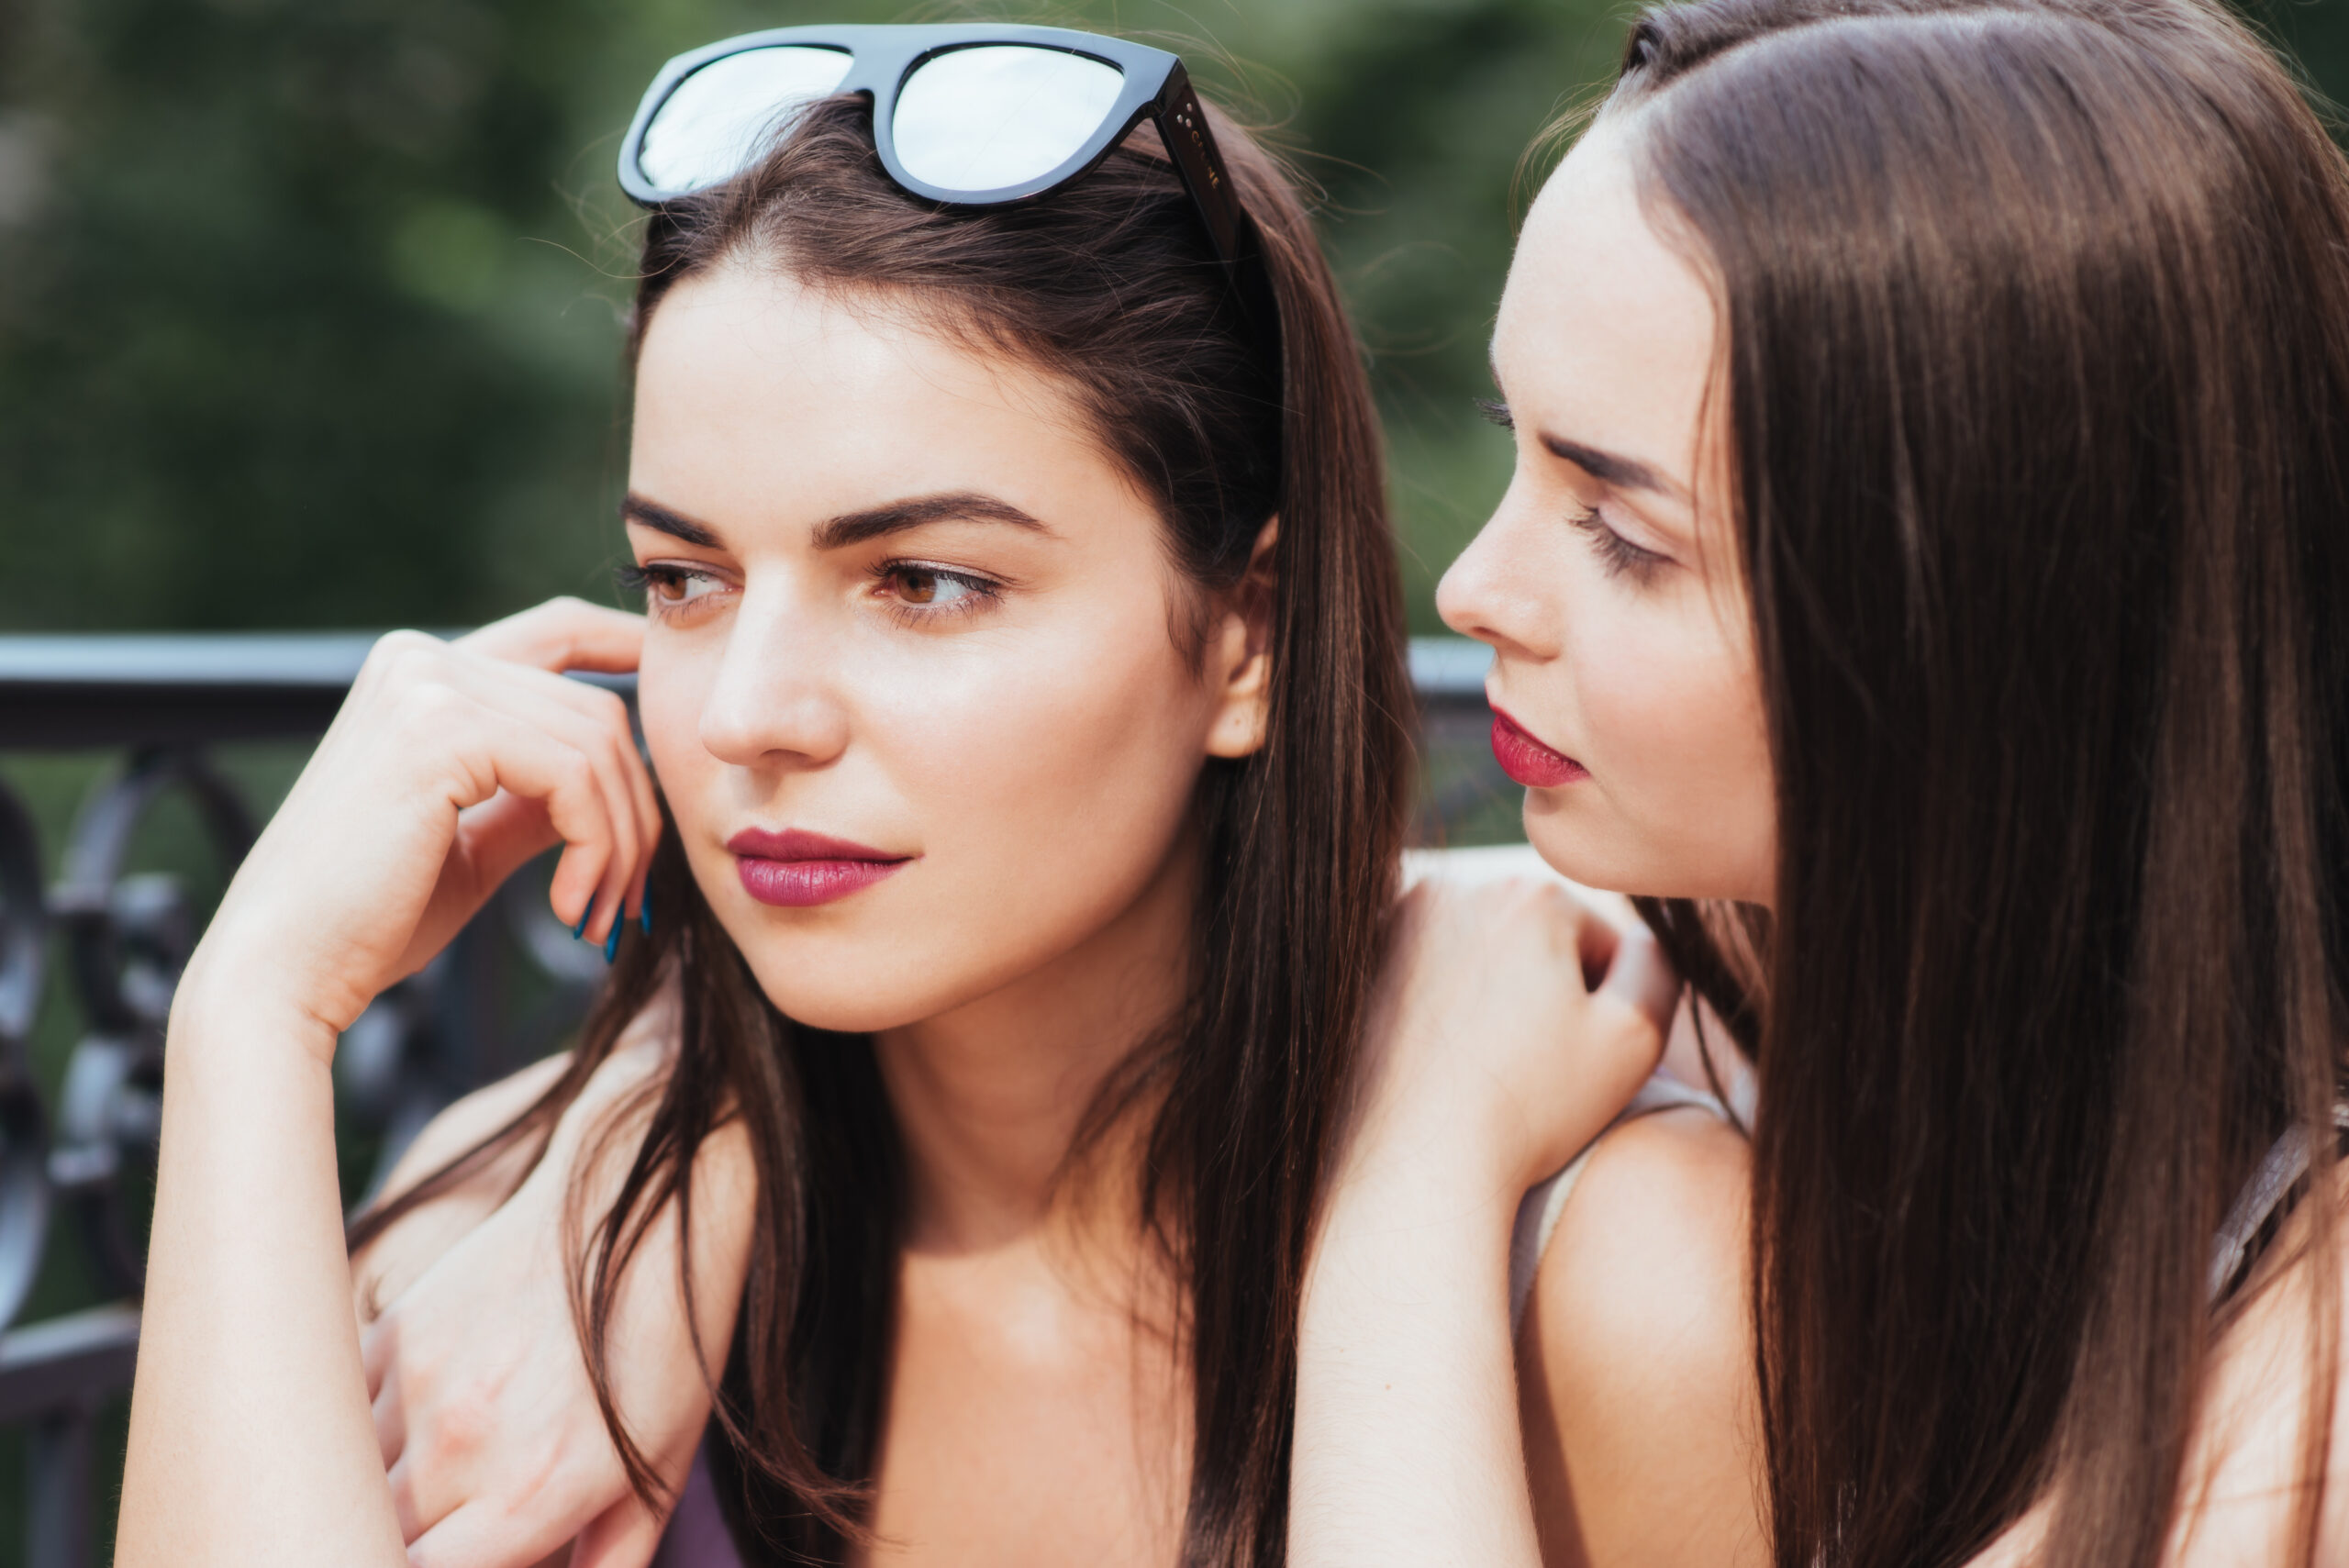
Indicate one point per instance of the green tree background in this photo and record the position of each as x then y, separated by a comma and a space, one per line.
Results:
308, 307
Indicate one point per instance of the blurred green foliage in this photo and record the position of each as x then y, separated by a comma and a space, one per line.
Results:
308, 309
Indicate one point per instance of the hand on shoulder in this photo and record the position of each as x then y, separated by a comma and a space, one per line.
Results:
489, 1427
1516, 1014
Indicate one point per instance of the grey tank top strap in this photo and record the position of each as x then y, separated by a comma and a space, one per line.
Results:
1537, 1216
2276, 1176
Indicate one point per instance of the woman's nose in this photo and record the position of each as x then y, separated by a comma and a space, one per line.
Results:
775, 702
1494, 595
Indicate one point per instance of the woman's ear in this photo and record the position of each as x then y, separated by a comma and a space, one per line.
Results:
1240, 654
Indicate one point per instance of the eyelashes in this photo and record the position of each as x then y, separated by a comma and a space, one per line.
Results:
1617, 555
926, 593
656, 583
915, 592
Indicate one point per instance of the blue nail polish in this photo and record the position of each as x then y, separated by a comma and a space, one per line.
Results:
644, 910
579, 931
612, 943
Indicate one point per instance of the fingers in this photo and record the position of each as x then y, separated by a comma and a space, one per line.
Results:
486, 1535
599, 725
563, 634
1641, 980
413, 1515
509, 666
625, 1536
1597, 943
503, 834
543, 753
389, 1410
596, 791
626, 846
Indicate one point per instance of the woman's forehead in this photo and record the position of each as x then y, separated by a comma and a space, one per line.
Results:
1605, 329
756, 395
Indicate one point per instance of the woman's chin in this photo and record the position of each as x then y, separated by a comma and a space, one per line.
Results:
1572, 850
830, 1008
1582, 854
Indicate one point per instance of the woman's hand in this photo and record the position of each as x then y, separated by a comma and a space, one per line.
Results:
496, 1451
250, 1440
1512, 1023
1513, 1019
448, 766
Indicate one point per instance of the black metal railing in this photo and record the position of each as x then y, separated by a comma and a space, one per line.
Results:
77, 1140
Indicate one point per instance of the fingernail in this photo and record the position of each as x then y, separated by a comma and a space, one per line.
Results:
612, 943
644, 910
579, 931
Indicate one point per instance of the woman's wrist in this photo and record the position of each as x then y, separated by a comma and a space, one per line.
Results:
232, 1008
1448, 1206
1453, 1157
1403, 1351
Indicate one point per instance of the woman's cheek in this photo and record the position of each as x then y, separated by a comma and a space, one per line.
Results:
670, 687
1673, 715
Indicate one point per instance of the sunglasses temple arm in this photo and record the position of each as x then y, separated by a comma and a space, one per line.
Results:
1183, 127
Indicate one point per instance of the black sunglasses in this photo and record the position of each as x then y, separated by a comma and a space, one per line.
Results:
963, 114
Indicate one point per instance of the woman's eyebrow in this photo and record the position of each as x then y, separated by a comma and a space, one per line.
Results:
849, 528
895, 517
1608, 468
653, 515
1613, 468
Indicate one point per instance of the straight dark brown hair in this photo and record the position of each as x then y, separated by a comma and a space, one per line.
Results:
2036, 376
1110, 285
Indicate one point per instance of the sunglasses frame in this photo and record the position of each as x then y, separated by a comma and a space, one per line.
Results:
1154, 86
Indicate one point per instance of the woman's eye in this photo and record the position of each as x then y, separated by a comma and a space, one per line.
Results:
934, 588
1616, 554
917, 587
683, 587
670, 587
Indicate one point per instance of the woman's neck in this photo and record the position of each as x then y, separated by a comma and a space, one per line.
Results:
990, 1096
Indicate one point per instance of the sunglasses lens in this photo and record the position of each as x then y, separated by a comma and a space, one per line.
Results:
722, 118
999, 114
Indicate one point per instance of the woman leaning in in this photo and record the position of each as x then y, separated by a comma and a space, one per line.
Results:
1920, 586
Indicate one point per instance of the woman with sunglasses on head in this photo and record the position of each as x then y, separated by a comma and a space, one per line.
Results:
1022, 673
1920, 582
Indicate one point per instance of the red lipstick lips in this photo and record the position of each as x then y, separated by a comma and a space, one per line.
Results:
793, 869
1528, 761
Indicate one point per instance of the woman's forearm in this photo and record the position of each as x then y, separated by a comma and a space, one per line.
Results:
1408, 1442
1488, 1062
250, 1440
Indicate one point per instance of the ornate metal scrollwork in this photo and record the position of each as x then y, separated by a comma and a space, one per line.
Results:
24, 1133
506, 991
433, 1037
129, 934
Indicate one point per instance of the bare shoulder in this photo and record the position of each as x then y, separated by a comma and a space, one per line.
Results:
1636, 1383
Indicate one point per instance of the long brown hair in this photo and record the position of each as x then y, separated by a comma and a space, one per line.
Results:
1109, 283
2036, 373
